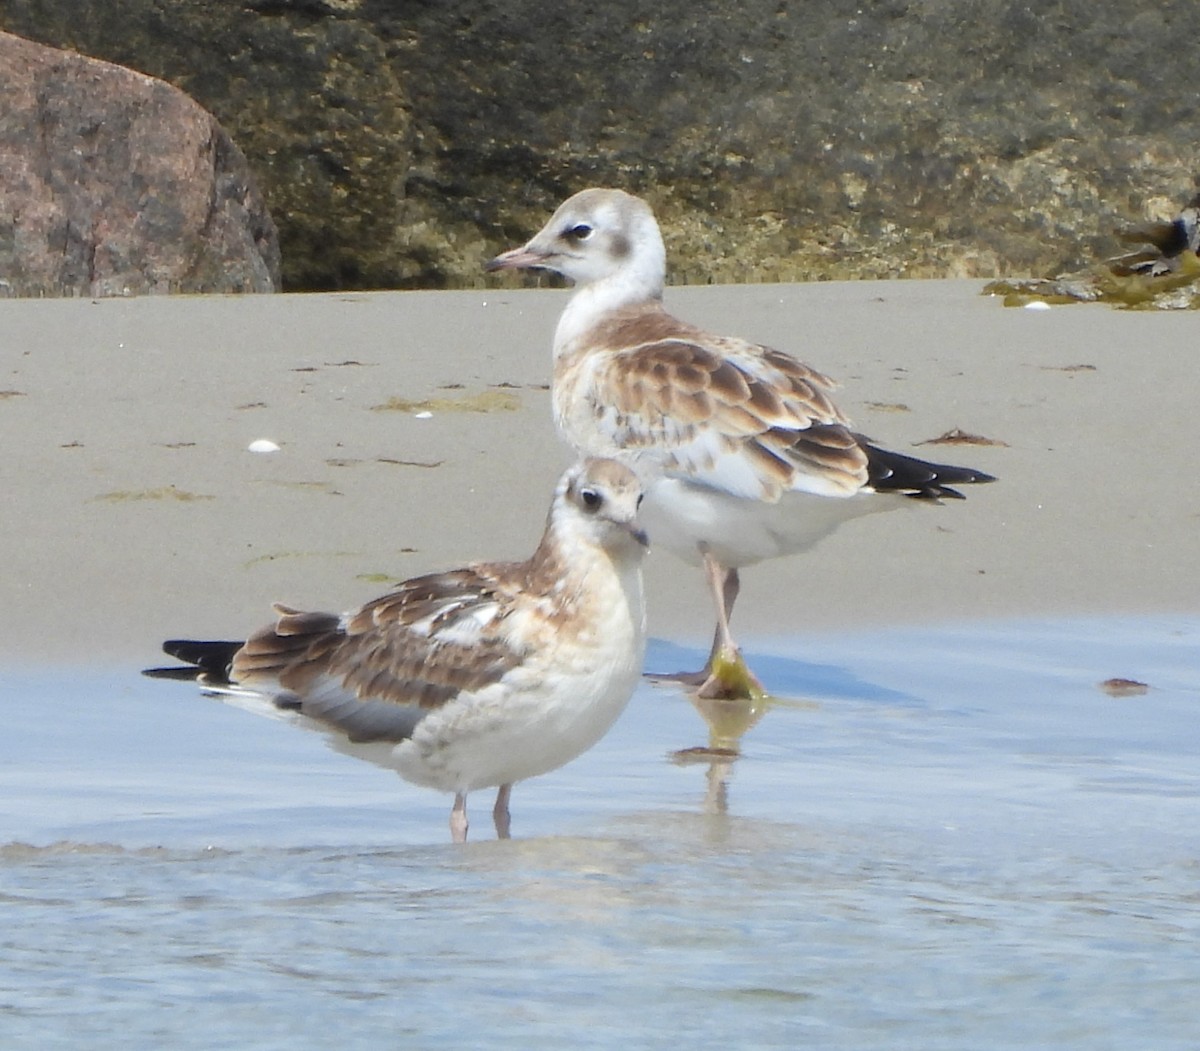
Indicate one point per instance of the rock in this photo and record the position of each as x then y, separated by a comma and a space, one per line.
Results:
400, 144
114, 183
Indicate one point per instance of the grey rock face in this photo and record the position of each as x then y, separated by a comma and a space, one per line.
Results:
113, 183
400, 144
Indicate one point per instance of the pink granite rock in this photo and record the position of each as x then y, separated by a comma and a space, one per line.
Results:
114, 183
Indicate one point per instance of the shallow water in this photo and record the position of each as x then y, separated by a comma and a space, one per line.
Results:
943, 838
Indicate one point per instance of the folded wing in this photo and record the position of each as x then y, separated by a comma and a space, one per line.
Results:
741, 418
374, 673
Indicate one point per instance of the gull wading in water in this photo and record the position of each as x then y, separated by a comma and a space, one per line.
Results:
474, 678
746, 458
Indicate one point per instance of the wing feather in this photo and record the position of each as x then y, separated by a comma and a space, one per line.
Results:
721, 412
375, 672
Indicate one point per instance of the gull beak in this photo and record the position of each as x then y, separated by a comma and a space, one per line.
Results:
639, 535
523, 258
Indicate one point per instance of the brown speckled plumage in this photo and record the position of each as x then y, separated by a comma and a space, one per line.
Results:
749, 456
475, 677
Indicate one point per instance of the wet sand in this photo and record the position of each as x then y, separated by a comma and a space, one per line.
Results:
415, 434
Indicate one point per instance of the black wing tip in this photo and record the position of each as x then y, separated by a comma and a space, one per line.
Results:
891, 471
964, 475
202, 659
194, 649
177, 672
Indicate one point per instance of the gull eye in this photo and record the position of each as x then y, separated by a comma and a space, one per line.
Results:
579, 232
591, 499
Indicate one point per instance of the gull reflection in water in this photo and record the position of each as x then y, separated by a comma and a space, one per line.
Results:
728, 719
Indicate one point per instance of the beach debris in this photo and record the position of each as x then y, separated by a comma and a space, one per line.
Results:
1162, 274
307, 486
1163, 244
409, 463
262, 445
384, 579
275, 556
165, 492
350, 461
423, 409
1124, 687
508, 385
957, 436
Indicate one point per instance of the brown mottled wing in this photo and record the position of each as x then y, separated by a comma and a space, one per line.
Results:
375, 672
742, 418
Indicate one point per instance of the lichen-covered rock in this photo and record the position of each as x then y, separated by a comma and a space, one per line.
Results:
113, 183
402, 143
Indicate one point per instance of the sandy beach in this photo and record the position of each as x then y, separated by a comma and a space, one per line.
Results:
947, 829
415, 434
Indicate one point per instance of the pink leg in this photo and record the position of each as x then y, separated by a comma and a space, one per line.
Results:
458, 818
726, 674
500, 812
725, 585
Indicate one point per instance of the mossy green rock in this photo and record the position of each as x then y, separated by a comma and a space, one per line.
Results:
401, 144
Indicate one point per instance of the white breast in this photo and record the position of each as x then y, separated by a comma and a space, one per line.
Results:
545, 712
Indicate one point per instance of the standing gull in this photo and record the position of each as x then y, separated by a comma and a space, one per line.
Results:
746, 455
475, 678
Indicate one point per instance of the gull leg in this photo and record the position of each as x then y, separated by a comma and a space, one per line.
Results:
726, 672
500, 813
458, 818
725, 585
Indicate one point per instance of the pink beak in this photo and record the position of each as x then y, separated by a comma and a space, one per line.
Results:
523, 258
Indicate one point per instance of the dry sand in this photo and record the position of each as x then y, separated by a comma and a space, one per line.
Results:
131, 509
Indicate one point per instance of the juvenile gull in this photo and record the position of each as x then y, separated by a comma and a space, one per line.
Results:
474, 678
747, 458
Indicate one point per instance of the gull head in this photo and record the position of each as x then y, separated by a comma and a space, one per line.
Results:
598, 500
599, 235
